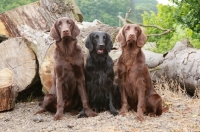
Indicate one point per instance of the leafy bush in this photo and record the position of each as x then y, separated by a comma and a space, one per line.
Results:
164, 18
10, 4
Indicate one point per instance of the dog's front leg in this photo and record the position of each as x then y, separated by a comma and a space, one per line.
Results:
82, 91
110, 78
141, 87
59, 93
112, 108
122, 78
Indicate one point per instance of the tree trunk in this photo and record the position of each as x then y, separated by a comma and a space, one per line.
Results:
16, 56
39, 15
182, 64
8, 91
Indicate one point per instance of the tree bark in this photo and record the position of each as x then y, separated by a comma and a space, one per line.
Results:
8, 91
39, 15
16, 56
182, 64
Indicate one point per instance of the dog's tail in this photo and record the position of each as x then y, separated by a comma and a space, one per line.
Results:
161, 109
165, 109
40, 111
117, 96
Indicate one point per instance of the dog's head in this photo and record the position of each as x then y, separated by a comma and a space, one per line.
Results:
131, 34
64, 28
99, 41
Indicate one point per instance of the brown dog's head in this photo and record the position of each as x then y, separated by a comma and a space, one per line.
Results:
131, 34
64, 28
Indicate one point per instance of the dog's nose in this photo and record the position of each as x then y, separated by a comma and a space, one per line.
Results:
101, 45
66, 31
132, 35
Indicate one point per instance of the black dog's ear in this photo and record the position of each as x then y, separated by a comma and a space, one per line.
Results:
88, 43
109, 43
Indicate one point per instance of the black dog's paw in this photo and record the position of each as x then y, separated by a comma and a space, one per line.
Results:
114, 113
82, 115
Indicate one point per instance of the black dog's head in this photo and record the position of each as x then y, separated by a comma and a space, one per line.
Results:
99, 41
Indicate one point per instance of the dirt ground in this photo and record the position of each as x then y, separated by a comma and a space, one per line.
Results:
183, 116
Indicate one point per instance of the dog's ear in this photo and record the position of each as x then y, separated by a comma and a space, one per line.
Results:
109, 43
121, 38
75, 31
88, 43
54, 33
141, 38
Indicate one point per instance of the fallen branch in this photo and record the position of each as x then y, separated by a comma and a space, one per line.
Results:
166, 32
126, 21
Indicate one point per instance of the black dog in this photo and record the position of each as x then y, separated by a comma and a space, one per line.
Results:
100, 75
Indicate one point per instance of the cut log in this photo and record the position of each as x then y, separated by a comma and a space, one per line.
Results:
16, 56
182, 64
47, 69
8, 91
39, 15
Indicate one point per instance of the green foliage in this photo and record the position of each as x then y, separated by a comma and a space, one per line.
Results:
164, 19
108, 10
188, 13
10, 4
104, 10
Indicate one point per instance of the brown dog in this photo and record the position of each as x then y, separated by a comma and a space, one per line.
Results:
137, 91
68, 81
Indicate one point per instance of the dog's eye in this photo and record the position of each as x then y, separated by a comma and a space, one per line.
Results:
136, 29
127, 28
68, 22
104, 37
59, 23
97, 36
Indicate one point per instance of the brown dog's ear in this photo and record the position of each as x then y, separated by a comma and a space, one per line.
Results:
54, 33
141, 38
75, 31
121, 38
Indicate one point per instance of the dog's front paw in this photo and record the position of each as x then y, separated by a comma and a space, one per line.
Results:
40, 111
123, 111
140, 115
90, 113
140, 118
82, 115
114, 113
59, 114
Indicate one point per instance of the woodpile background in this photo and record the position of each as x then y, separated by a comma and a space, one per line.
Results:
26, 55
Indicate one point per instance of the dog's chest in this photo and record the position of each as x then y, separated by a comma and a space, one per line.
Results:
100, 75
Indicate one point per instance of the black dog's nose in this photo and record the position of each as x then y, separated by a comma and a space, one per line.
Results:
101, 45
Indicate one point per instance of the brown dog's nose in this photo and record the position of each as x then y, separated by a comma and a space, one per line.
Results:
66, 31
132, 35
